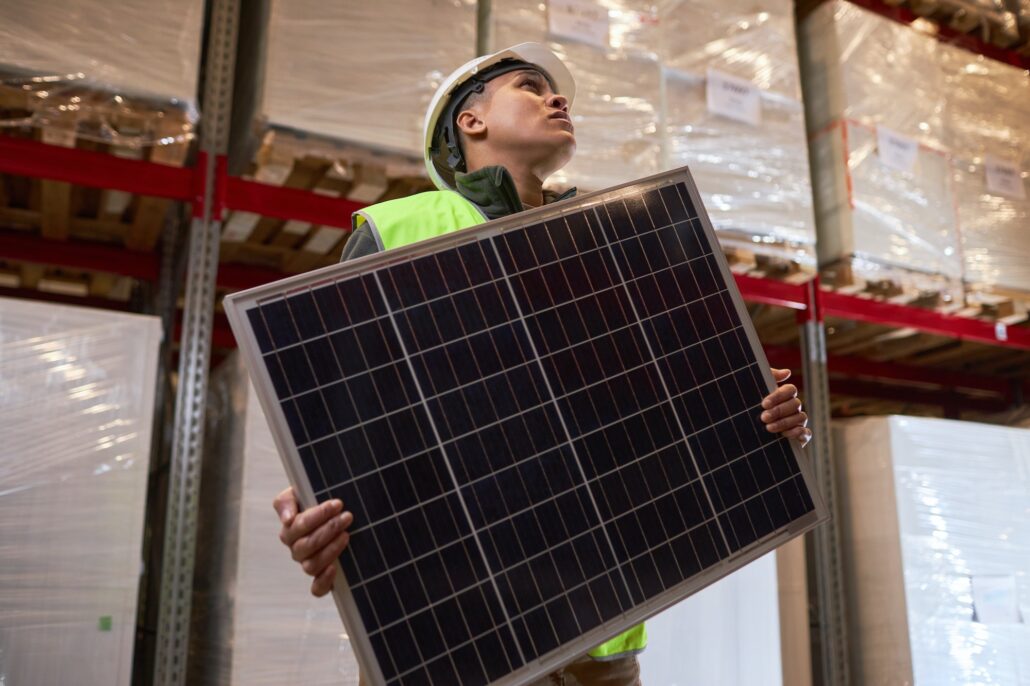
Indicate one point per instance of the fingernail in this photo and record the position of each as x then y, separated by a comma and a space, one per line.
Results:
346, 517
287, 515
336, 504
765, 417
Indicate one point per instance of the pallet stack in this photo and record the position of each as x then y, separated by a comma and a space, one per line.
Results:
73, 75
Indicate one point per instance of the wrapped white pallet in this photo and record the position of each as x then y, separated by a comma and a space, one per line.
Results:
363, 72
608, 46
76, 410
256, 623
136, 47
124, 73
988, 131
701, 640
875, 111
734, 115
936, 529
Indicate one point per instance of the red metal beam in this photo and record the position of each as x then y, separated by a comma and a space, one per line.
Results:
771, 292
95, 169
288, 203
951, 401
95, 257
858, 367
835, 304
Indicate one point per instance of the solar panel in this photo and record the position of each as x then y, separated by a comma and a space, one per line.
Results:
546, 426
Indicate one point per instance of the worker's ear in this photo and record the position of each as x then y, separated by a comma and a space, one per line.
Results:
470, 124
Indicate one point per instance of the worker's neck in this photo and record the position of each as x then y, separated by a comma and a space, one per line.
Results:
528, 183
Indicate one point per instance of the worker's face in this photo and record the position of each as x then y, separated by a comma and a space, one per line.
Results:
522, 120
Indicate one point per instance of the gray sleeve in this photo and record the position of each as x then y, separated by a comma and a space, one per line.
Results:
361, 243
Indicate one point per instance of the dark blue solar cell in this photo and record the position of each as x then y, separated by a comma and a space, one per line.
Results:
305, 315
515, 250
330, 307
261, 333
361, 303
479, 260
540, 240
280, 323
677, 204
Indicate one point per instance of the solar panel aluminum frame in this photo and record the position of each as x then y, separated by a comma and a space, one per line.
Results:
237, 304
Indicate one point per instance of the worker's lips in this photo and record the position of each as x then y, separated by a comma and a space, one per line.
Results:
562, 117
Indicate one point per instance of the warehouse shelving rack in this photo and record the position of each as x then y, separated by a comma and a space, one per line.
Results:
210, 191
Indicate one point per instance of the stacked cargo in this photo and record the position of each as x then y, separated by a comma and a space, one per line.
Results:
936, 534
74, 74
345, 91
734, 116
881, 171
76, 409
988, 132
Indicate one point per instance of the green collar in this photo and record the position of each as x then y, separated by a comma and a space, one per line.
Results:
493, 191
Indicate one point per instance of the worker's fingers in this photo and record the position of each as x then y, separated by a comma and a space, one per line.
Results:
780, 375
325, 557
323, 583
309, 520
784, 409
285, 505
799, 433
780, 395
794, 420
308, 546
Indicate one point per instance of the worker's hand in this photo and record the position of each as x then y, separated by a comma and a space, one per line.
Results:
782, 410
315, 537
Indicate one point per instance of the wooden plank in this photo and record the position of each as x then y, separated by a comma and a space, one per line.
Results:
149, 216
55, 196
305, 174
101, 284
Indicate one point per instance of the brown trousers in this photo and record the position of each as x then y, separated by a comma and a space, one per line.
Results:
623, 671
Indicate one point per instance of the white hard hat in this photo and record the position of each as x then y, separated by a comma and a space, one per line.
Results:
451, 90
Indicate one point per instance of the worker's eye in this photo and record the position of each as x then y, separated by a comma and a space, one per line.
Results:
531, 82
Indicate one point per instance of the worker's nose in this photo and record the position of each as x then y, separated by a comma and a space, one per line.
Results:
558, 102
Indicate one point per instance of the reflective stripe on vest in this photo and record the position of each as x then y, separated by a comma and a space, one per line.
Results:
395, 223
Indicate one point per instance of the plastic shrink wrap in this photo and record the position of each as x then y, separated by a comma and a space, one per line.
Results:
875, 103
936, 530
76, 411
988, 131
752, 171
610, 51
122, 73
255, 622
363, 71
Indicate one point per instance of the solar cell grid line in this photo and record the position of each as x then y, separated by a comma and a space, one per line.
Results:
547, 427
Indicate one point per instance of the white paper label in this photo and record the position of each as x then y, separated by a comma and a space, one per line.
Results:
896, 151
994, 600
734, 98
582, 20
1003, 178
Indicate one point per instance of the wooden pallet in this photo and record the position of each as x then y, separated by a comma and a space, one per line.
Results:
25, 276
895, 286
326, 167
96, 121
774, 263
